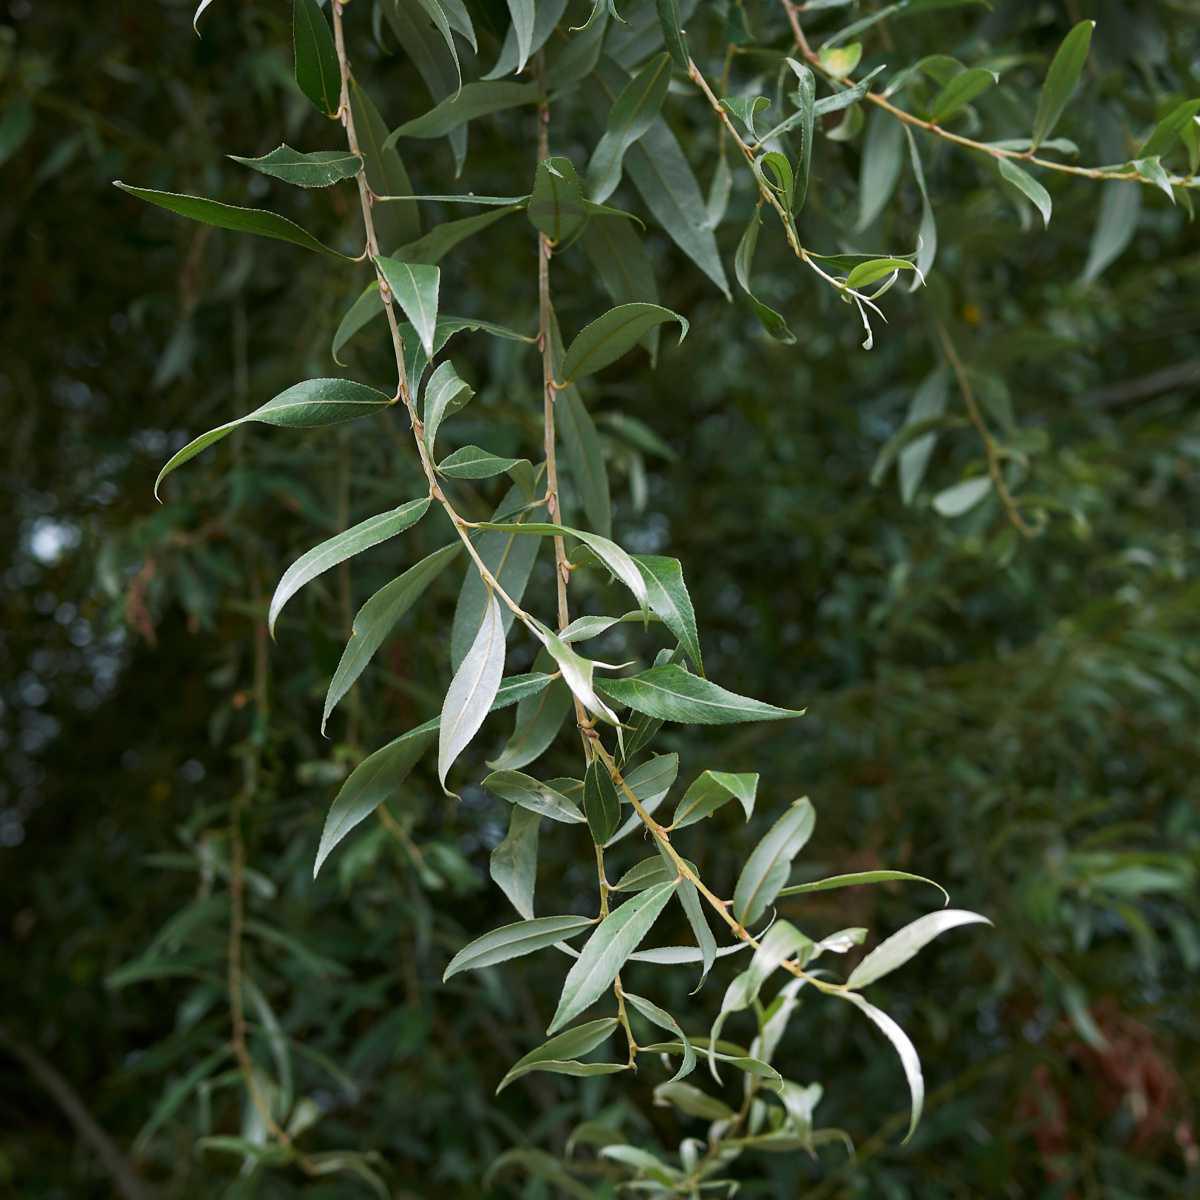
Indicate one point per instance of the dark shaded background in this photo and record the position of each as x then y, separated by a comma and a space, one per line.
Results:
1014, 718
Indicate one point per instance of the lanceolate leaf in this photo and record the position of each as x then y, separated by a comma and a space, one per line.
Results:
859, 877
770, 862
600, 802
534, 795
663, 1019
318, 169
416, 290
472, 690
668, 16
309, 405
445, 394
578, 673
1120, 208
710, 791
538, 721
633, 112
229, 216
441, 23
317, 70
650, 783
513, 941
477, 99
374, 621
549, 14
617, 937
443, 238
1061, 80
471, 462
895, 951
377, 778
340, 547
608, 337
574, 1042
672, 694
743, 262
513, 863
523, 17
394, 222
904, 1048
556, 204
880, 165
1027, 186
668, 598
959, 92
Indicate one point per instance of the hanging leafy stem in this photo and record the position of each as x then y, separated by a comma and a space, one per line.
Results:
631, 55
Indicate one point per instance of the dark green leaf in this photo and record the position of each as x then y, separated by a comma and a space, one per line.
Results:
710, 791
318, 169
340, 547
556, 205
743, 261
672, 694
396, 222
610, 336
529, 793
600, 802
317, 70
668, 598
477, 99
1061, 80
959, 92
309, 405
633, 112
673, 38
471, 462
443, 238
1027, 186
859, 877
415, 288
880, 166
229, 216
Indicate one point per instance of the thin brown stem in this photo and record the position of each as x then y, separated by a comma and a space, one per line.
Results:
990, 448
802, 45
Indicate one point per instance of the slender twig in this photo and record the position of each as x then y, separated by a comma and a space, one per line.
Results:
990, 448
403, 390
793, 14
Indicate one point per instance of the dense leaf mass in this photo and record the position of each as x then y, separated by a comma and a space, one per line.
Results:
907, 526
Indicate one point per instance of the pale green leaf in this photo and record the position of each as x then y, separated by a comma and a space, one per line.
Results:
600, 802
960, 498
1027, 186
513, 863
895, 951
672, 694
514, 941
858, 877
710, 791
532, 794
566, 1046
770, 862
904, 1048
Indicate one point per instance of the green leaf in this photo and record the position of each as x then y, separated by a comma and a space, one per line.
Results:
959, 92
600, 802
559, 1050
1169, 129
317, 70
960, 498
858, 877
647, 873
1027, 186
318, 169
706, 945
610, 336
538, 721
372, 783
509, 557
662, 174
472, 690
710, 791
523, 17
416, 290
927, 239
376, 779
650, 783
375, 619
386, 175
513, 863
1151, 170
478, 99
310, 405
1120, 208
229, 216
581, 442
880, 166
1061, 79
514, 941
632, 114
895, 951
437, 14
664, 1020
673, 37
840, 61
608, 552
618, 936
770, 862
805, 99
471, 462
545, 22
746, 109
443, 238
577, 672
742, 1062
691, 1101
875, 269
340, 547
445, 394
903, 1047
743, 261
200, 10
668, 598
928, 403
672, 694
526, 792
556, 205
618, 256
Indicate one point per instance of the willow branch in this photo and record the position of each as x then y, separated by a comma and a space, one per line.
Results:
990, 448
802, 45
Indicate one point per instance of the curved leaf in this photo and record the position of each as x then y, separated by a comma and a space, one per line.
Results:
532, 794
340, 547
904, 1048
610, 336
565, 1046
632, 114
513, 941
906, 943
415, 287
767, 868
309, 405
477, 99
672, 694
858, 877
318, 169
600, 802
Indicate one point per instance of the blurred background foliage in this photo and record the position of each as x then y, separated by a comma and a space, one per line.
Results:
1014, 717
